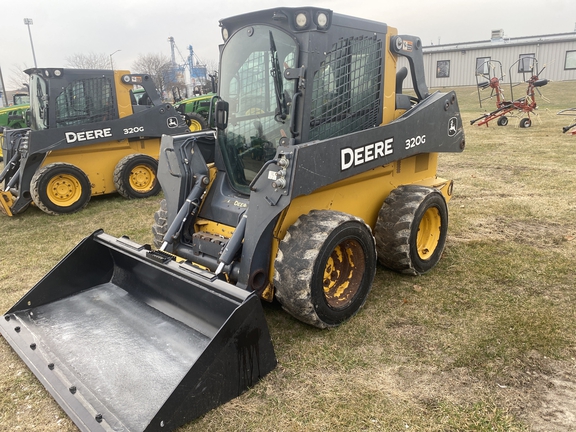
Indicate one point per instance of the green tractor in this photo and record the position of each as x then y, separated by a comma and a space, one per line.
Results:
14, 116
196, 110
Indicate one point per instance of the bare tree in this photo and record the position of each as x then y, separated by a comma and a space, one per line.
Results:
212, 66
18, 78
158, 66
90, 60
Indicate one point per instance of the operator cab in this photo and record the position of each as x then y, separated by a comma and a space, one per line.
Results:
259, 96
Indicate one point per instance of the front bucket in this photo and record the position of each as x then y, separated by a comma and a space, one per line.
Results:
127, 343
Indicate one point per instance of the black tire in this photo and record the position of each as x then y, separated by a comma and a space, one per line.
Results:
525, 122
160, 225
411, 229
502, 121
135, 176
60, 188
196, 122
325, 267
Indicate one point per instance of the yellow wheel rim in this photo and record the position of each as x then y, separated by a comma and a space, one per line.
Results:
142, 178
195, 126
64, 190
343, 273
429, 233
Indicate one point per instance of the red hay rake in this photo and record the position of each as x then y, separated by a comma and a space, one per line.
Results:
523, 106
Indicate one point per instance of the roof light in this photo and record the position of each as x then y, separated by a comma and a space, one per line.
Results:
322, 20
301, 20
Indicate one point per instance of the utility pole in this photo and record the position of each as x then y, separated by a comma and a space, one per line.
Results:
112, 64
28, 22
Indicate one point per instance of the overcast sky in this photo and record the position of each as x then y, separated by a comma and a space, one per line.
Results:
62, 28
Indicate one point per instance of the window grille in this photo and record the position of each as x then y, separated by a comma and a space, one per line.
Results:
85, 101
347, 89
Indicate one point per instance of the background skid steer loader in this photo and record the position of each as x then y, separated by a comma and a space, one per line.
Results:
87, 136
321, 165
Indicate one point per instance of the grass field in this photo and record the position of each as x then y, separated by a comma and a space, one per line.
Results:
484, 342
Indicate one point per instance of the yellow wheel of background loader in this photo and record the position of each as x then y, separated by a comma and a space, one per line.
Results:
135, 176
60, 188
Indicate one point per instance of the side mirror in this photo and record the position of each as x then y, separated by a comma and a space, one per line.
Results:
222, 114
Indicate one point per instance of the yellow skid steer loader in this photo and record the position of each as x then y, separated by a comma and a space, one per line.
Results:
322, 169
88, 136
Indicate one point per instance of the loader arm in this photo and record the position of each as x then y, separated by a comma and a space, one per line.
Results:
411, 48
146, 82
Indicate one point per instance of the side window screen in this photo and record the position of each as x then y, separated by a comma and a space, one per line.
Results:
85, 101
346, 89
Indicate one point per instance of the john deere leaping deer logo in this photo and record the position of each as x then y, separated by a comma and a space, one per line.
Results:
452, 126
172, 122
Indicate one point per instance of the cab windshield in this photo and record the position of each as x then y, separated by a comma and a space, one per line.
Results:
252, 82
38, 103
21, 99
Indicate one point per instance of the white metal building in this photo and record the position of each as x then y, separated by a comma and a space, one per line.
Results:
454, 65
